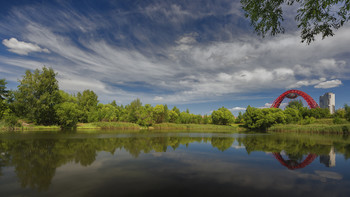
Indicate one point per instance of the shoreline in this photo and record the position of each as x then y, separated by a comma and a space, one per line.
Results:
130, 127
316, 128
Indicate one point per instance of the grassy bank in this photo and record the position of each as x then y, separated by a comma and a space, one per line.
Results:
313, 128
128, 126
109, 125
197, 127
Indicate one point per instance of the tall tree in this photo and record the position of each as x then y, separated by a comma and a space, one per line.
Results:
3, 91
37, 95
347, 112
87, 102
222, 116
133, 110
297, 104
313, 16
3, 95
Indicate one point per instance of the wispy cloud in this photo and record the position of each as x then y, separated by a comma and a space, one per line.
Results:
329, 84
180, 61
237, 109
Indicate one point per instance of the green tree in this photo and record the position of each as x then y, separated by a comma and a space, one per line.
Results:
68, 115
173, 116
175, 109
185, 118
159, 113
340, 113
37, 95
3, 95
313, 16
347, 112
68, 97
292, 115
134, 110
3, 90
239, 118
262, 119
108, 112
87, 102
196, 119
145, 115
206, 119
297, 104
222, 116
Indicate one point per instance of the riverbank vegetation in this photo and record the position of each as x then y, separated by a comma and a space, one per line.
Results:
296, 118
38, 102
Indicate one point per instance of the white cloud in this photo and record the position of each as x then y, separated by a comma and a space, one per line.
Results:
237, 109
192, 70
268, 105
321, 68
22, 48
329, 84
306, 83
158, 98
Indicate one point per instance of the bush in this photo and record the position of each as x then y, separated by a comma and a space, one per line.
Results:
337, 120
262, 119
68, 114
347, 112
222, 116
307, 120
11, 121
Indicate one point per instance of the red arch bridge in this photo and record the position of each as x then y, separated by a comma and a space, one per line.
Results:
292, 94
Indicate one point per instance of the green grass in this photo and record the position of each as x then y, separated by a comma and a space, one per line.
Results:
116, 125
132, 126
28, 127
324, 121
312, 128
197, 127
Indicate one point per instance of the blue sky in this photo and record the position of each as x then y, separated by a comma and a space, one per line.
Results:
199, 55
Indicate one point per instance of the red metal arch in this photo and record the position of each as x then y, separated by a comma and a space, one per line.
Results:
308, 160
310, 101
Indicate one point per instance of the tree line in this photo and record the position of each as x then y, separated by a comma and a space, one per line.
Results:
294, 113
39, 100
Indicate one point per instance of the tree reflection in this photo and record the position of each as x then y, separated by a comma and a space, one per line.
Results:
36, 160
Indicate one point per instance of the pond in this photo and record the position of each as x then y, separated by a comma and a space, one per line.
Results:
113, 163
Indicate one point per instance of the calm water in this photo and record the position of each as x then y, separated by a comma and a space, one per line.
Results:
173, 164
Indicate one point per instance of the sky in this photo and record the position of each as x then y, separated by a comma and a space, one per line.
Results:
197, 55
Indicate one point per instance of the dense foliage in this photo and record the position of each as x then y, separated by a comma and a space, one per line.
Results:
314, 17
262, 119
36, 97
347, 112
38, 100
222, 116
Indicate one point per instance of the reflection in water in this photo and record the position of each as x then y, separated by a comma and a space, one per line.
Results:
328, 160
35, 159
293, 164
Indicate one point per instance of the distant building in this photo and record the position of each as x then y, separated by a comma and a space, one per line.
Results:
328, 101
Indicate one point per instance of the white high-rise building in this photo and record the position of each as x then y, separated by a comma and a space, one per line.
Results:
328, 101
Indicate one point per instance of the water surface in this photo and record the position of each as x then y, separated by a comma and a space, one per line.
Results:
173, 164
